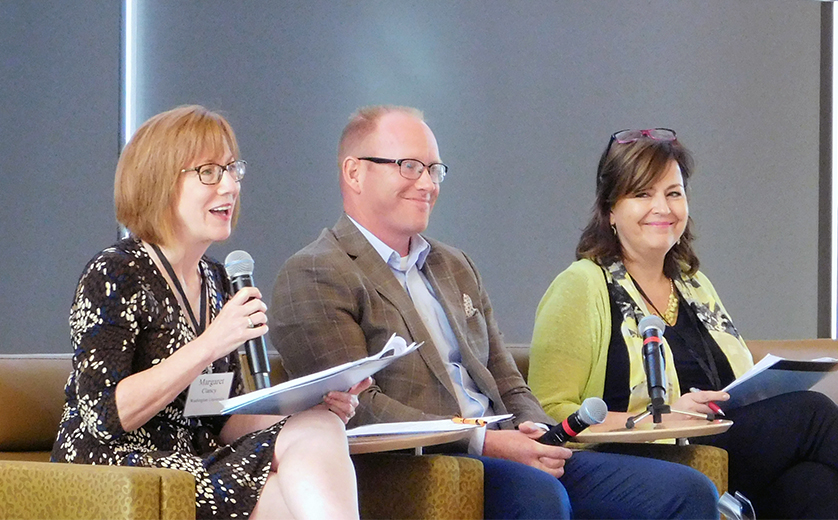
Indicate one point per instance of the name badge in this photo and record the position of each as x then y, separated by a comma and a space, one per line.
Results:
206, 393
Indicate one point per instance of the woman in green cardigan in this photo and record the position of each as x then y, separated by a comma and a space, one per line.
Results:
635, 258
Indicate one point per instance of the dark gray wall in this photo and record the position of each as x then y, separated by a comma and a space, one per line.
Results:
59, 143
522, 96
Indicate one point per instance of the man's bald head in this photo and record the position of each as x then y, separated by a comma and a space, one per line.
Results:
363, 123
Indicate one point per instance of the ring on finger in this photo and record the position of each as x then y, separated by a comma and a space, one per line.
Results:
250, 322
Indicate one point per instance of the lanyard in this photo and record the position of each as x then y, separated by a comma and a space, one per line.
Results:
199, 327
706, 362
643, 294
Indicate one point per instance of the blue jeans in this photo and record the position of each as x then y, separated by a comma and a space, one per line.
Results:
598, 485
608, 485
515, 490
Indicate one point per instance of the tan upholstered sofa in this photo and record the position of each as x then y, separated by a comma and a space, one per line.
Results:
390, 485
31, 400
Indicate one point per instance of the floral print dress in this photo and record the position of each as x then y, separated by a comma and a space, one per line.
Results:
126, 319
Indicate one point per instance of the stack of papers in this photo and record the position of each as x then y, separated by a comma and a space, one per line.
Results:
773, 376
304, 392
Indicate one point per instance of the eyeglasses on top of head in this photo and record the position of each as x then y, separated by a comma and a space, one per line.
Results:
412, 169
630, 136
212, 173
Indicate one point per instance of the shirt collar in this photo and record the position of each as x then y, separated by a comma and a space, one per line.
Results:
419, 249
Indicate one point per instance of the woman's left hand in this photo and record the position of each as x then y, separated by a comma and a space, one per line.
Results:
343, 404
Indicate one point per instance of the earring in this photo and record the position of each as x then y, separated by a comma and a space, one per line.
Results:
614, 229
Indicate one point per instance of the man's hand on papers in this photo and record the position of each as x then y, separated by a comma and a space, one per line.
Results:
521, 446
343, 404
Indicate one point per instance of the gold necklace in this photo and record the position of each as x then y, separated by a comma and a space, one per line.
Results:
671, 314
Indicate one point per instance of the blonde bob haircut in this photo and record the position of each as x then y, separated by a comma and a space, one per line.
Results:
147, 184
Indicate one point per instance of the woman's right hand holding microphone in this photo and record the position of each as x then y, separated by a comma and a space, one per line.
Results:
242, 318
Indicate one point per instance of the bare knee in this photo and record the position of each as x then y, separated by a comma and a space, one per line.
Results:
319, 423
315, 429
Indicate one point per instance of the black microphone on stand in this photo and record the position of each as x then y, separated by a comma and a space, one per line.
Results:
239, 267
651, 329
592, 411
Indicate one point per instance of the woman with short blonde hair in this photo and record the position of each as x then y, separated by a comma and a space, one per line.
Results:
153, 316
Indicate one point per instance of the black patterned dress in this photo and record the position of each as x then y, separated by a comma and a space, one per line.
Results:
125, 319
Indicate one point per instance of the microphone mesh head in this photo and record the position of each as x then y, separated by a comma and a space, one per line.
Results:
651, 322
238, 263
593, 410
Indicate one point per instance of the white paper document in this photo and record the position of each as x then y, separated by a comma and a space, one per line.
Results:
773, 376
304, 392
435, 426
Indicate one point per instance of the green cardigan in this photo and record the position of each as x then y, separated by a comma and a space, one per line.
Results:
573, 331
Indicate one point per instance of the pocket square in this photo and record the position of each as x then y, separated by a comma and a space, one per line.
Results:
468, 306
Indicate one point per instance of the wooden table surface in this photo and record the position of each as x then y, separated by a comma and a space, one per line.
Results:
647, 430
401, 441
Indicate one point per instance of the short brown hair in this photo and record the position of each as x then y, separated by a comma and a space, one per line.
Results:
363, 122
147, 187
625, 169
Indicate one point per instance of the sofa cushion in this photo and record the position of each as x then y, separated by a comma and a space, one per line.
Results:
34, 490
521, 354
389, 486
32, 393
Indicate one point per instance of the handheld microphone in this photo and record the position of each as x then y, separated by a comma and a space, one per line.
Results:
651, 329
592, 411
239, 267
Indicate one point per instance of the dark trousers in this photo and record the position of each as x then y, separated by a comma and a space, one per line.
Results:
598, 485
784, 455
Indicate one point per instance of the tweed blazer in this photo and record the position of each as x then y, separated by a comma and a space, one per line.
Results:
336, 300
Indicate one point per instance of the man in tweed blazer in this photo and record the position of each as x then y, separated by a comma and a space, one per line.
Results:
373, 274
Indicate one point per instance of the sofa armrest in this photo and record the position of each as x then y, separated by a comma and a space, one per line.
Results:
409, 486
35, 490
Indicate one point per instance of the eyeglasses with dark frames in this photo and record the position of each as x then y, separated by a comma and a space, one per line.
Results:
212, 173
412, 169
